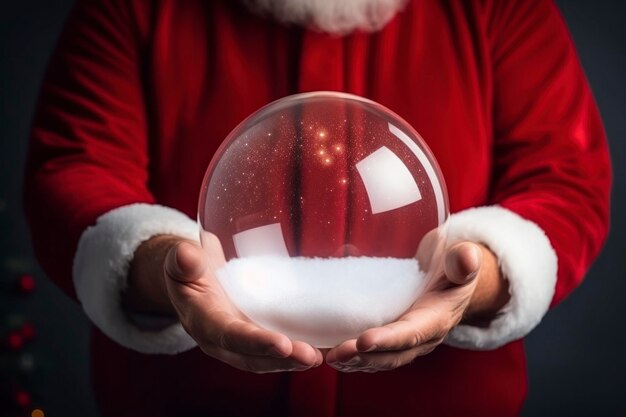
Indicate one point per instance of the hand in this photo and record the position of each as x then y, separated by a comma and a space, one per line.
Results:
470, 287
207, 314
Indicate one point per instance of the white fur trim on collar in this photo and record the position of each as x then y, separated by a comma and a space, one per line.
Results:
527, 261
332, 16
101, 265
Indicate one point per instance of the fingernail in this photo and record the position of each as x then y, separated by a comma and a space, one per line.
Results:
371, 348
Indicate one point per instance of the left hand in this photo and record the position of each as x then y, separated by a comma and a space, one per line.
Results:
470, 288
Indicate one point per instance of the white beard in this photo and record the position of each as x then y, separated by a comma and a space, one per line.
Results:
332, 16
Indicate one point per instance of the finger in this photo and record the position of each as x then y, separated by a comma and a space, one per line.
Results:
247, 338
185, 262
257, 364
384, 361
210, 327
211, 321
306, 354
417, 327
462, 262
343, 352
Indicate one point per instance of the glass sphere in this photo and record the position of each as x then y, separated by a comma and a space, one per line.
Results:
312, 212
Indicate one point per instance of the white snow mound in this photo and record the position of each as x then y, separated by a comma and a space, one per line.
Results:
321, 301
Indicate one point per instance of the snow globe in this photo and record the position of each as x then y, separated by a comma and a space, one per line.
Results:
312, 212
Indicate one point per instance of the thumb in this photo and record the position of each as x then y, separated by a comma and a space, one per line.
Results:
462, 262
185, 262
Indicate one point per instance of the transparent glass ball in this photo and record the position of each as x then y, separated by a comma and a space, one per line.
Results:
312, 212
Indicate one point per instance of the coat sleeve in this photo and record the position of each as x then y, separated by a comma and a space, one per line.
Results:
551, 174
87, 170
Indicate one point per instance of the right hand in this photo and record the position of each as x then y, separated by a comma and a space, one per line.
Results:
218, 327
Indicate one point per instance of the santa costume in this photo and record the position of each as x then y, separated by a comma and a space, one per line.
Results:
139, 95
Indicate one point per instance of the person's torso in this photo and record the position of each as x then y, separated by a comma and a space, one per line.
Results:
207, 66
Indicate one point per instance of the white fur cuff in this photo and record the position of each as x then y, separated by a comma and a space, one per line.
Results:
101, 265
527, 261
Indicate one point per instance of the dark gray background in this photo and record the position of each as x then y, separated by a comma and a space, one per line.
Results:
575, 358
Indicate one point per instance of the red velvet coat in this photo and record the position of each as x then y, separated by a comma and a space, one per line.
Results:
140, 94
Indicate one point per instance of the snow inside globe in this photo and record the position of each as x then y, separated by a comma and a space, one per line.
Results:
312, 212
